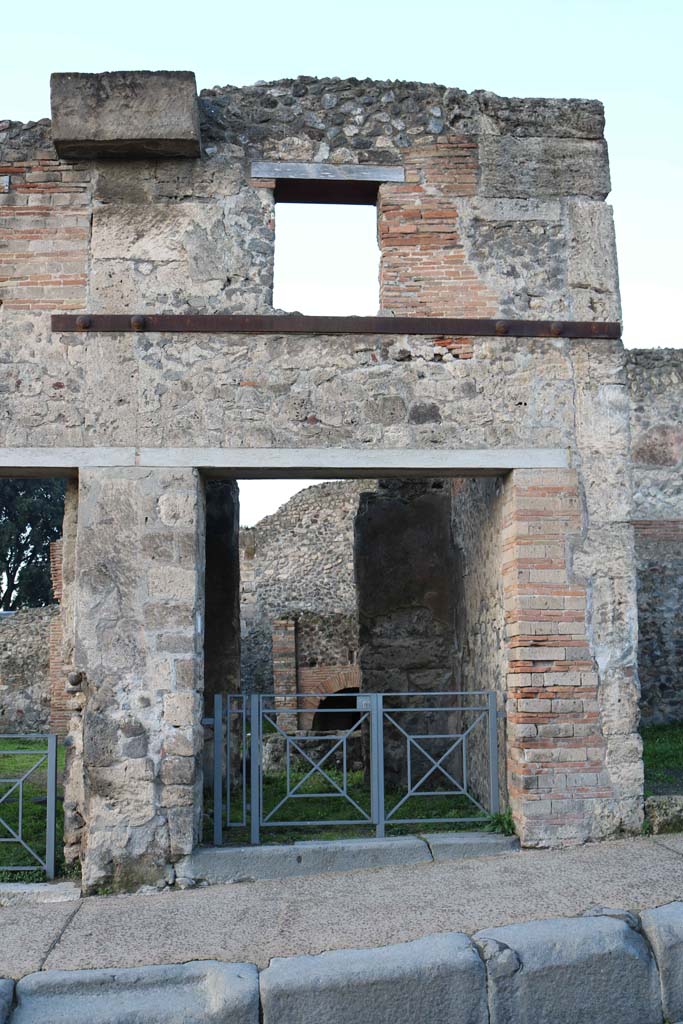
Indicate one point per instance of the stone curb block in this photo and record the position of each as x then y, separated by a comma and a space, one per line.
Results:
6, 995
206, 992
306, 858
597, 967
448, 846
436, 980
570, 971
663, 927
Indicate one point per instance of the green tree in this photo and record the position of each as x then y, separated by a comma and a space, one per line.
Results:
31, 513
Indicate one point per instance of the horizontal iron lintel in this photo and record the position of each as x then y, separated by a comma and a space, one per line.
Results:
120, 323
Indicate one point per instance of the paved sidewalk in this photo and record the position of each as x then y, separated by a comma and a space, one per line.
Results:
256, 921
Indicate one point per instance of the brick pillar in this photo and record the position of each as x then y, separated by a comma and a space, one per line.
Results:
139, 637
556, 749
285, 672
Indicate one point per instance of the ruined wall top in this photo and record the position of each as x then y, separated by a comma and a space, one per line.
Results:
351, 120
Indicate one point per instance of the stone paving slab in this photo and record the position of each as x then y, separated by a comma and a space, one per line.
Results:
28, 932
253, 922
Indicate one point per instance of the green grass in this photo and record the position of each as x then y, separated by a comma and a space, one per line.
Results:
663, 758
13, 765
323, 809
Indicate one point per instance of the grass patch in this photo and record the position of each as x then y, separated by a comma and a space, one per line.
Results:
33, 809
663, 758
320, 806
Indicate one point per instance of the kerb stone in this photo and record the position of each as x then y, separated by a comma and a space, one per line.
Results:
570, 971
6, 995
433, 980
663, 927
199, 993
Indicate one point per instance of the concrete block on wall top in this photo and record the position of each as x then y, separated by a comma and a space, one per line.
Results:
570, 971
125, 114
436, 980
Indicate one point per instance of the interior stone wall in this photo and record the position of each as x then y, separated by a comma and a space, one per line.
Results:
656, 389
222, 609
298, 563
477, 524
405, 568
25, 669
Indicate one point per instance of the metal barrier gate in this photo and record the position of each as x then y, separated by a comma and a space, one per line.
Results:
397, 756
28, 776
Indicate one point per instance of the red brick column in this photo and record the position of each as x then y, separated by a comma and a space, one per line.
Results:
285, 672
556, 751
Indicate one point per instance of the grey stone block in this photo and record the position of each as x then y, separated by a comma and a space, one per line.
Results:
434, 980
198, 993
6, 996
457, 845
663, 927
534, 168
306, 858
570, 971
125, 113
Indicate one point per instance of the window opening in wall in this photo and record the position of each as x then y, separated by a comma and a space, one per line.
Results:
326, 259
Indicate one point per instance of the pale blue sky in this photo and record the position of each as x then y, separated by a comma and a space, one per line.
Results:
625, 52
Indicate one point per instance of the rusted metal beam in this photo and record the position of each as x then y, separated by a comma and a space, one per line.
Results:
121, 323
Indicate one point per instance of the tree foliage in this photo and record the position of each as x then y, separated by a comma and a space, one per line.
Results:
31, 513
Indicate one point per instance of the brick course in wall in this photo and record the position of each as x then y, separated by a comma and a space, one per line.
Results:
44, 226
424, 269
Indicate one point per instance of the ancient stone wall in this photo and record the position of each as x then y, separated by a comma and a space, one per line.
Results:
656, 388
405, 566
299, 563
477, 523
142, 666
330, 639
25, 669
501, 212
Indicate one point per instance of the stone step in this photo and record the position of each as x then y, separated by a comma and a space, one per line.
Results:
313, 857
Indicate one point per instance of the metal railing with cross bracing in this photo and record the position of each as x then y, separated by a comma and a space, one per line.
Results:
28, 782
393, 759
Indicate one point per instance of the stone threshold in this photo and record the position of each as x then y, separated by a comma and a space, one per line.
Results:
214, 865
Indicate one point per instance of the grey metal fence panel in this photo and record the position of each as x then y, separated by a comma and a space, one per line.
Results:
316, 764
45, 758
